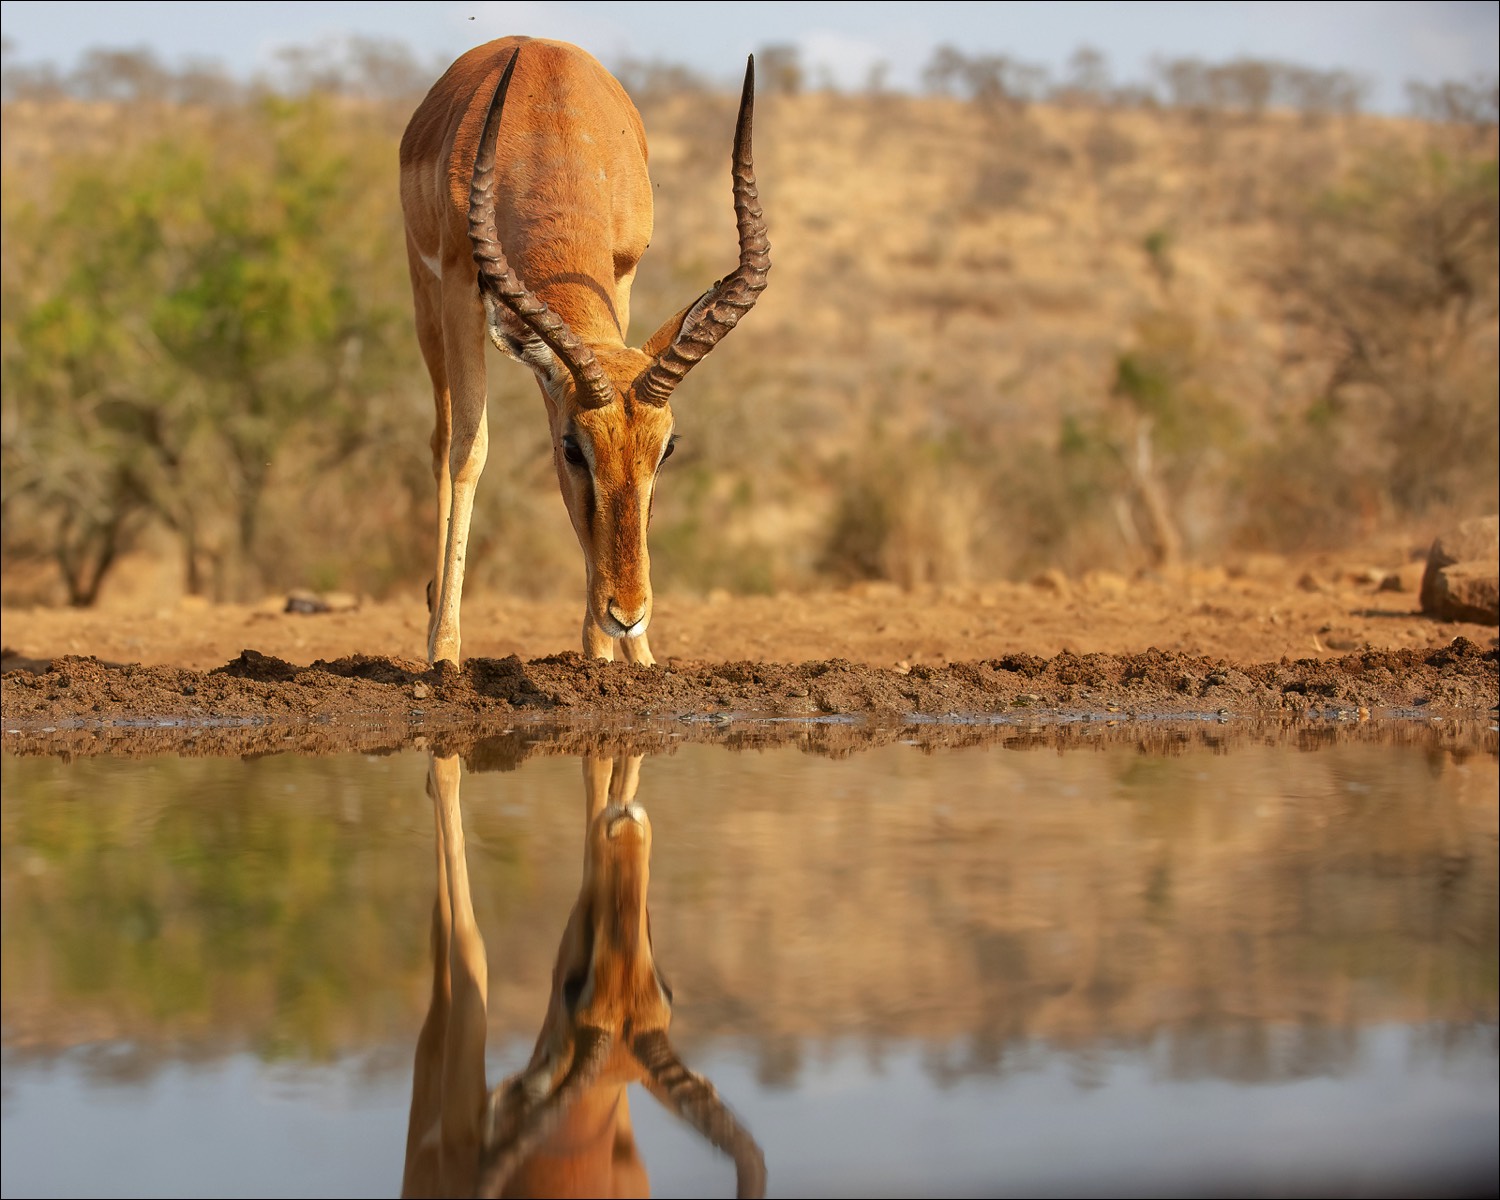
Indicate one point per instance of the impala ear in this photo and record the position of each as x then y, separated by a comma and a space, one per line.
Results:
677, 325
515, 340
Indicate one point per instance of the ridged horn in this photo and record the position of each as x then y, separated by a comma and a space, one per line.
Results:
731, 298
694, 1099
591, 1048
496, 277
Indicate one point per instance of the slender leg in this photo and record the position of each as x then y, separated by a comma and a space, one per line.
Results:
638, 650
427, 301
463, 355
596, 643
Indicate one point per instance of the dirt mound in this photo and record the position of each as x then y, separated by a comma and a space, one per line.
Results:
255, 689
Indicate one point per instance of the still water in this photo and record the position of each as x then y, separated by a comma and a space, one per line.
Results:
1240, 966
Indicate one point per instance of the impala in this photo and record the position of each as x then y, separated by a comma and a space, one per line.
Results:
562, 1125
528, 207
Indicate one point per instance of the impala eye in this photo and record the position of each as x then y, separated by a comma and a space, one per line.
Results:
573, 452
671, 445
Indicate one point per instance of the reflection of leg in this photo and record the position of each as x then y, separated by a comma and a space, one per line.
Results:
464, 1089
597, 773
627, 778
424, 1124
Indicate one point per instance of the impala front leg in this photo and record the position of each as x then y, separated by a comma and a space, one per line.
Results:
637, 650
468, 447
596, 643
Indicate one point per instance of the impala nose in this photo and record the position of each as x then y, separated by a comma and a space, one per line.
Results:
631, 818
627, 618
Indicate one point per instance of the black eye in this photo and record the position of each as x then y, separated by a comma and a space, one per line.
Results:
671, 445
573, 452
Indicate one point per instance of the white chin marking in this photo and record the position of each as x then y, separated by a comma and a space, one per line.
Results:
614, 629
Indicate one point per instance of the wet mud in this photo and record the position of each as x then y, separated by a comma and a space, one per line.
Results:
258, 703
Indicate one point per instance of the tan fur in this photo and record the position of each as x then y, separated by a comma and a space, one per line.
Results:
461, 1139
573, 213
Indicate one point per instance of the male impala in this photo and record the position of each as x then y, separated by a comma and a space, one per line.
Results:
561, 1126
523, 182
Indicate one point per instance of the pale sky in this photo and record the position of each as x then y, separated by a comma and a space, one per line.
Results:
1387, 43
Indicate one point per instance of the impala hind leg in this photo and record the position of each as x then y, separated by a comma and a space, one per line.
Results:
427, 301
468, 447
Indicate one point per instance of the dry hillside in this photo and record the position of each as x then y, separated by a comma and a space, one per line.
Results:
997, 340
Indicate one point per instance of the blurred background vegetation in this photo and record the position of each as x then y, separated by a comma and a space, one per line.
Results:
1016, 322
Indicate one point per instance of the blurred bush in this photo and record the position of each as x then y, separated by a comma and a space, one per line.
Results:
1014, 324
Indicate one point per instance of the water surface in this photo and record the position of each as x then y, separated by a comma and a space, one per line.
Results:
1255, 969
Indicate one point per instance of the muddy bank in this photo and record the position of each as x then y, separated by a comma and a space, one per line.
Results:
257, 701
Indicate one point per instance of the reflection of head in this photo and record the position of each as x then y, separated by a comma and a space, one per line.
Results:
562, 1126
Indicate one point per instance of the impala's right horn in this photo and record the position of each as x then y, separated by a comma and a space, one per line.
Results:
721, 307
591, 1048
694, 1099
498, 280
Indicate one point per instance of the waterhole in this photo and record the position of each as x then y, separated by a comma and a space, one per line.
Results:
1189, 963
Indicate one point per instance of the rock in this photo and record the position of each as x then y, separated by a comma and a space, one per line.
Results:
1407, 578
1051, 580
1476, 540
304, 603
1467, 591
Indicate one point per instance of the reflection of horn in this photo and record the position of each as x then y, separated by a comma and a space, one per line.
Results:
590, 1053
694, 1099
563, 1123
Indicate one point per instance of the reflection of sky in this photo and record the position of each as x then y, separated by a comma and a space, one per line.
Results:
1387, 42
1400, 1118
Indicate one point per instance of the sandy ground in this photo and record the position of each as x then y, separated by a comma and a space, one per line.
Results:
1316, 638
1260, 613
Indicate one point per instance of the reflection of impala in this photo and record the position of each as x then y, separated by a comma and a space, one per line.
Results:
561, 1127
560, 183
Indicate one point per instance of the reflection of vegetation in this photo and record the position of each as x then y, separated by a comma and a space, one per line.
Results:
1244, 914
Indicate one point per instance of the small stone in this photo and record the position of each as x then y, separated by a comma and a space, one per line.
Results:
420, 691
1466, 591
1476, 540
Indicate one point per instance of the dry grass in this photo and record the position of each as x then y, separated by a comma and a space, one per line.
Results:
931, 389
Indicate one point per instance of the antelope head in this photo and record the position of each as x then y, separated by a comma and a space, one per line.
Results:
606, 1024
609, 405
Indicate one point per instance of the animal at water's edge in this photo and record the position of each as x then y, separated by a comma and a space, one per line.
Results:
527, 208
